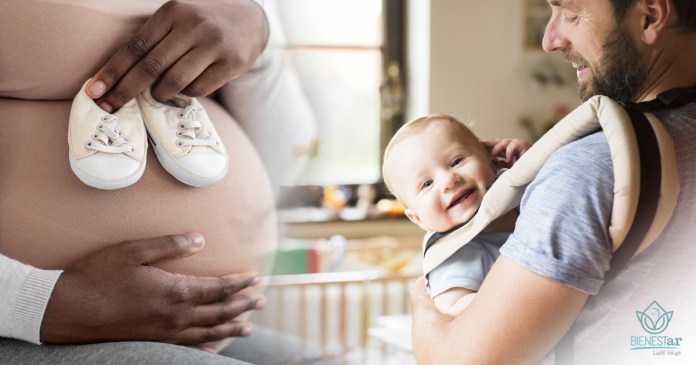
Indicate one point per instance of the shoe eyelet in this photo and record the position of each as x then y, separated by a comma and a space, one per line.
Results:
217, 143
88, 145
179, 143
181, 125
180, 115
178, 133
132, 149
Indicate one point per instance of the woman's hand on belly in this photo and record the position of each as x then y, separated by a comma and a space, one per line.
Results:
193, 47
115, 294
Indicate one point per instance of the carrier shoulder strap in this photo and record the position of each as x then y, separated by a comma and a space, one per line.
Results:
653, 165
649, 194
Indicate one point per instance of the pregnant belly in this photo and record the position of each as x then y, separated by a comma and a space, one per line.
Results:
49, 219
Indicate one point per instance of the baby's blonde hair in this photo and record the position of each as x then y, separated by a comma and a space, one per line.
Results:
414, 127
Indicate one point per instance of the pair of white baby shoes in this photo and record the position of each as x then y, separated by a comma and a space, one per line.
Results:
109, 151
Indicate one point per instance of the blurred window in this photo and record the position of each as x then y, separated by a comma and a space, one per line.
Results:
339, 51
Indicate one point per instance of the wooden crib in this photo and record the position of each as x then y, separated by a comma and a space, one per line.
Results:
332, 312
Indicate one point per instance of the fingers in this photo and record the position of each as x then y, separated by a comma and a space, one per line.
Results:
500, 147
145, 71
508, 149
185, 47
149, 251
419, 289
198, 290
218, 319
515, 149
197, 335
511, 153
488, 145
125, 58
210, 80
213, 314
181, 75
420, 298
522, 147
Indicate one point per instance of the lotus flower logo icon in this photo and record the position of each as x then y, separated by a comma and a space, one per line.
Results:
654, 318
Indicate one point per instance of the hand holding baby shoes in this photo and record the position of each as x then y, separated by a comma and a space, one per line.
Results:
109, 151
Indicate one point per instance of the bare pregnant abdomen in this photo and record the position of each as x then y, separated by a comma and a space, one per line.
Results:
49, 219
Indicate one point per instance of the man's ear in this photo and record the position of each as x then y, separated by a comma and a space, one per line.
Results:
413, 217
656, 16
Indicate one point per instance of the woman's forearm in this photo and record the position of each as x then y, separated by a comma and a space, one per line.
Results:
25, 293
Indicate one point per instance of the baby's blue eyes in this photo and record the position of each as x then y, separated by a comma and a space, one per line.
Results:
428, 183
456, 161
425, 184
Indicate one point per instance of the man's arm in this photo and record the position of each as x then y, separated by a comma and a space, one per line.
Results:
556, 257
516, 318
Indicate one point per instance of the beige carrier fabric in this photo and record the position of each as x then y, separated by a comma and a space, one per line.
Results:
597, 112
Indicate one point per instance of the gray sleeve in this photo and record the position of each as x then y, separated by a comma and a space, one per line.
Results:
562, 231
466, 268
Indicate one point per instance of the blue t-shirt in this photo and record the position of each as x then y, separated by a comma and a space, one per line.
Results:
562, 234
469, 265
562, 231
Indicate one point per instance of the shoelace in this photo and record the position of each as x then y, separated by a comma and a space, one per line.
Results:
191, 131
109, 139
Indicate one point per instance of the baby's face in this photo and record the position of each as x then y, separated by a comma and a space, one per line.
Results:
441, 176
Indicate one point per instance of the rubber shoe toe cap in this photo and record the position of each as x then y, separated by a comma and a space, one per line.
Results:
205, 165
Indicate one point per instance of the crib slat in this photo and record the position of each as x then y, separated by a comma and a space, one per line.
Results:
335, 328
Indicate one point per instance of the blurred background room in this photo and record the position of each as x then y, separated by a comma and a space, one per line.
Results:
358, 70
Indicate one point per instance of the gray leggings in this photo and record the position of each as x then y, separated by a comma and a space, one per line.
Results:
260, 348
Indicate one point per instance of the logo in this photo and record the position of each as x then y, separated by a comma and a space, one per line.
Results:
654, 319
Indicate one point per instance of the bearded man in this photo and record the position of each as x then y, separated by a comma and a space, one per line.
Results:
552, 270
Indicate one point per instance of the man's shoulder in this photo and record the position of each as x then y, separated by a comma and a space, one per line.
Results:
591, 144
587, 155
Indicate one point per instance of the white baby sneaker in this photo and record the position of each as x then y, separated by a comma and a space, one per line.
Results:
184, 139
106, 151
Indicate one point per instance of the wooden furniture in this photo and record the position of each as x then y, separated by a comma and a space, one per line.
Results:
332, 312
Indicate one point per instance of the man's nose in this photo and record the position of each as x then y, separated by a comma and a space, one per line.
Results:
554, 39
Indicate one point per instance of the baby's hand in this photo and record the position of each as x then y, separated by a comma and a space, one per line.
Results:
508, 150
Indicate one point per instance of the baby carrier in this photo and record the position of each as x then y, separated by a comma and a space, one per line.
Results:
646, 184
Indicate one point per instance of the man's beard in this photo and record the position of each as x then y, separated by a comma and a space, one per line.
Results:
619, 74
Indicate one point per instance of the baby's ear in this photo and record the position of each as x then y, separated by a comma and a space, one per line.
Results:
413, 217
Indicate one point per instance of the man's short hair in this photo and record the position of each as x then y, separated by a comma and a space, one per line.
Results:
686, 12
